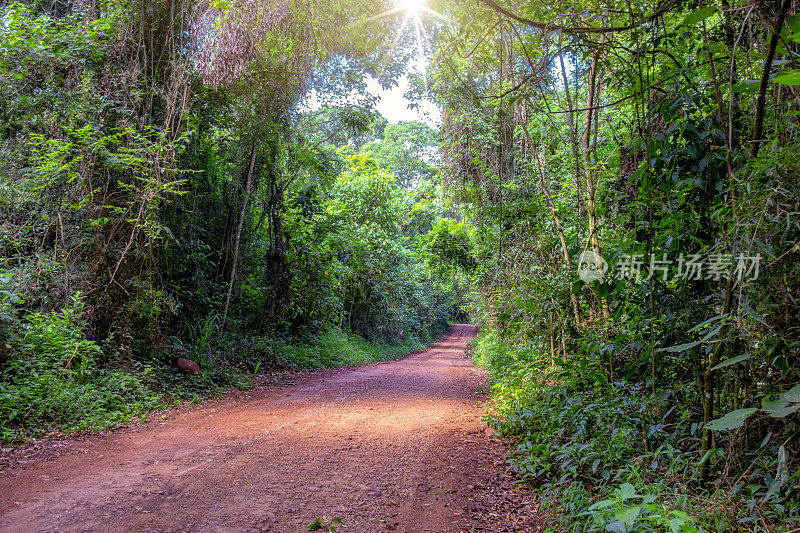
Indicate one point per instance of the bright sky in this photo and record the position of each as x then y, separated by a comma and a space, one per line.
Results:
394, 106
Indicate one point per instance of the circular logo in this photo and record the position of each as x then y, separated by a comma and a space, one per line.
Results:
591, 266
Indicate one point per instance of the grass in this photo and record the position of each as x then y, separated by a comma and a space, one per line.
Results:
56, 382
335, 348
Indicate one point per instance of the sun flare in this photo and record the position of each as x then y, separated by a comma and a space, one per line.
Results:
413, 10
413, 7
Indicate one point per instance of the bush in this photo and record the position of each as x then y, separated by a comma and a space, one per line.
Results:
616, 457
55, 382
331, 348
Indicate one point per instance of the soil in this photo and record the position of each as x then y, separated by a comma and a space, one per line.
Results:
391, 446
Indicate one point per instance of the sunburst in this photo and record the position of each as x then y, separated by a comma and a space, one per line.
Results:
413, 11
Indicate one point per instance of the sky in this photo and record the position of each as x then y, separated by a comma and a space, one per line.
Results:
392, 103
394, 106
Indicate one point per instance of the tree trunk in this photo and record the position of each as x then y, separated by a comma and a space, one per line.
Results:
573, 135
559, 228
592, 97
709, 385
237, 238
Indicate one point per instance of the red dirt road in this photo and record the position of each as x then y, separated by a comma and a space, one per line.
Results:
390, 446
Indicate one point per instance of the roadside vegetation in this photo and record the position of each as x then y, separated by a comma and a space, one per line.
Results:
166, 194
657, 144
613, 196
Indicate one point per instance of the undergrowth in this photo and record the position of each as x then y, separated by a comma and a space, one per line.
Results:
618, 458
330, 349
55, 381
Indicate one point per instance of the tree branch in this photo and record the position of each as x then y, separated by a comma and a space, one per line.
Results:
549, 26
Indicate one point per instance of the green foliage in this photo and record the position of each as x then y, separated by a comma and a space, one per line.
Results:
330, 349
53, 381
653, 137
179, 186
614, 458
327, 525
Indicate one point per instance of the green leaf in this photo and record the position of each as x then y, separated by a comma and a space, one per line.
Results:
680, 347
628, 516
783, 466
782, 475
675, 525
712, 333
682, 515
788, 77
698, 16
755, 316
626, 491
617, 526
701, 325
732, 420
794, 23
731, 361
315, 525
602, 504
781, 409
793, 394
746, 87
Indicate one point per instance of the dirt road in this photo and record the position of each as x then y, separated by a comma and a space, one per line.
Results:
390, 446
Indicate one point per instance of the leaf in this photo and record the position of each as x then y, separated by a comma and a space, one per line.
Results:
774, 487
617, 527
782, 475
783, 465
755, 316
732, 420
628, 516
576, 287
701, 325
712, 333
682, 515
781, 409
794, 23
602, 504
788, 77
315, 525
793, 394
626, 491
680, 347
731, 361
746, 87
675, 525
698, 16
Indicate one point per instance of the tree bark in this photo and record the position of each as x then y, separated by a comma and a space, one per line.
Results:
573, 136
777, 24
592, 97
237, 238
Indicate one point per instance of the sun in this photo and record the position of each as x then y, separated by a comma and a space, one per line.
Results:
413, 7
413, 11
